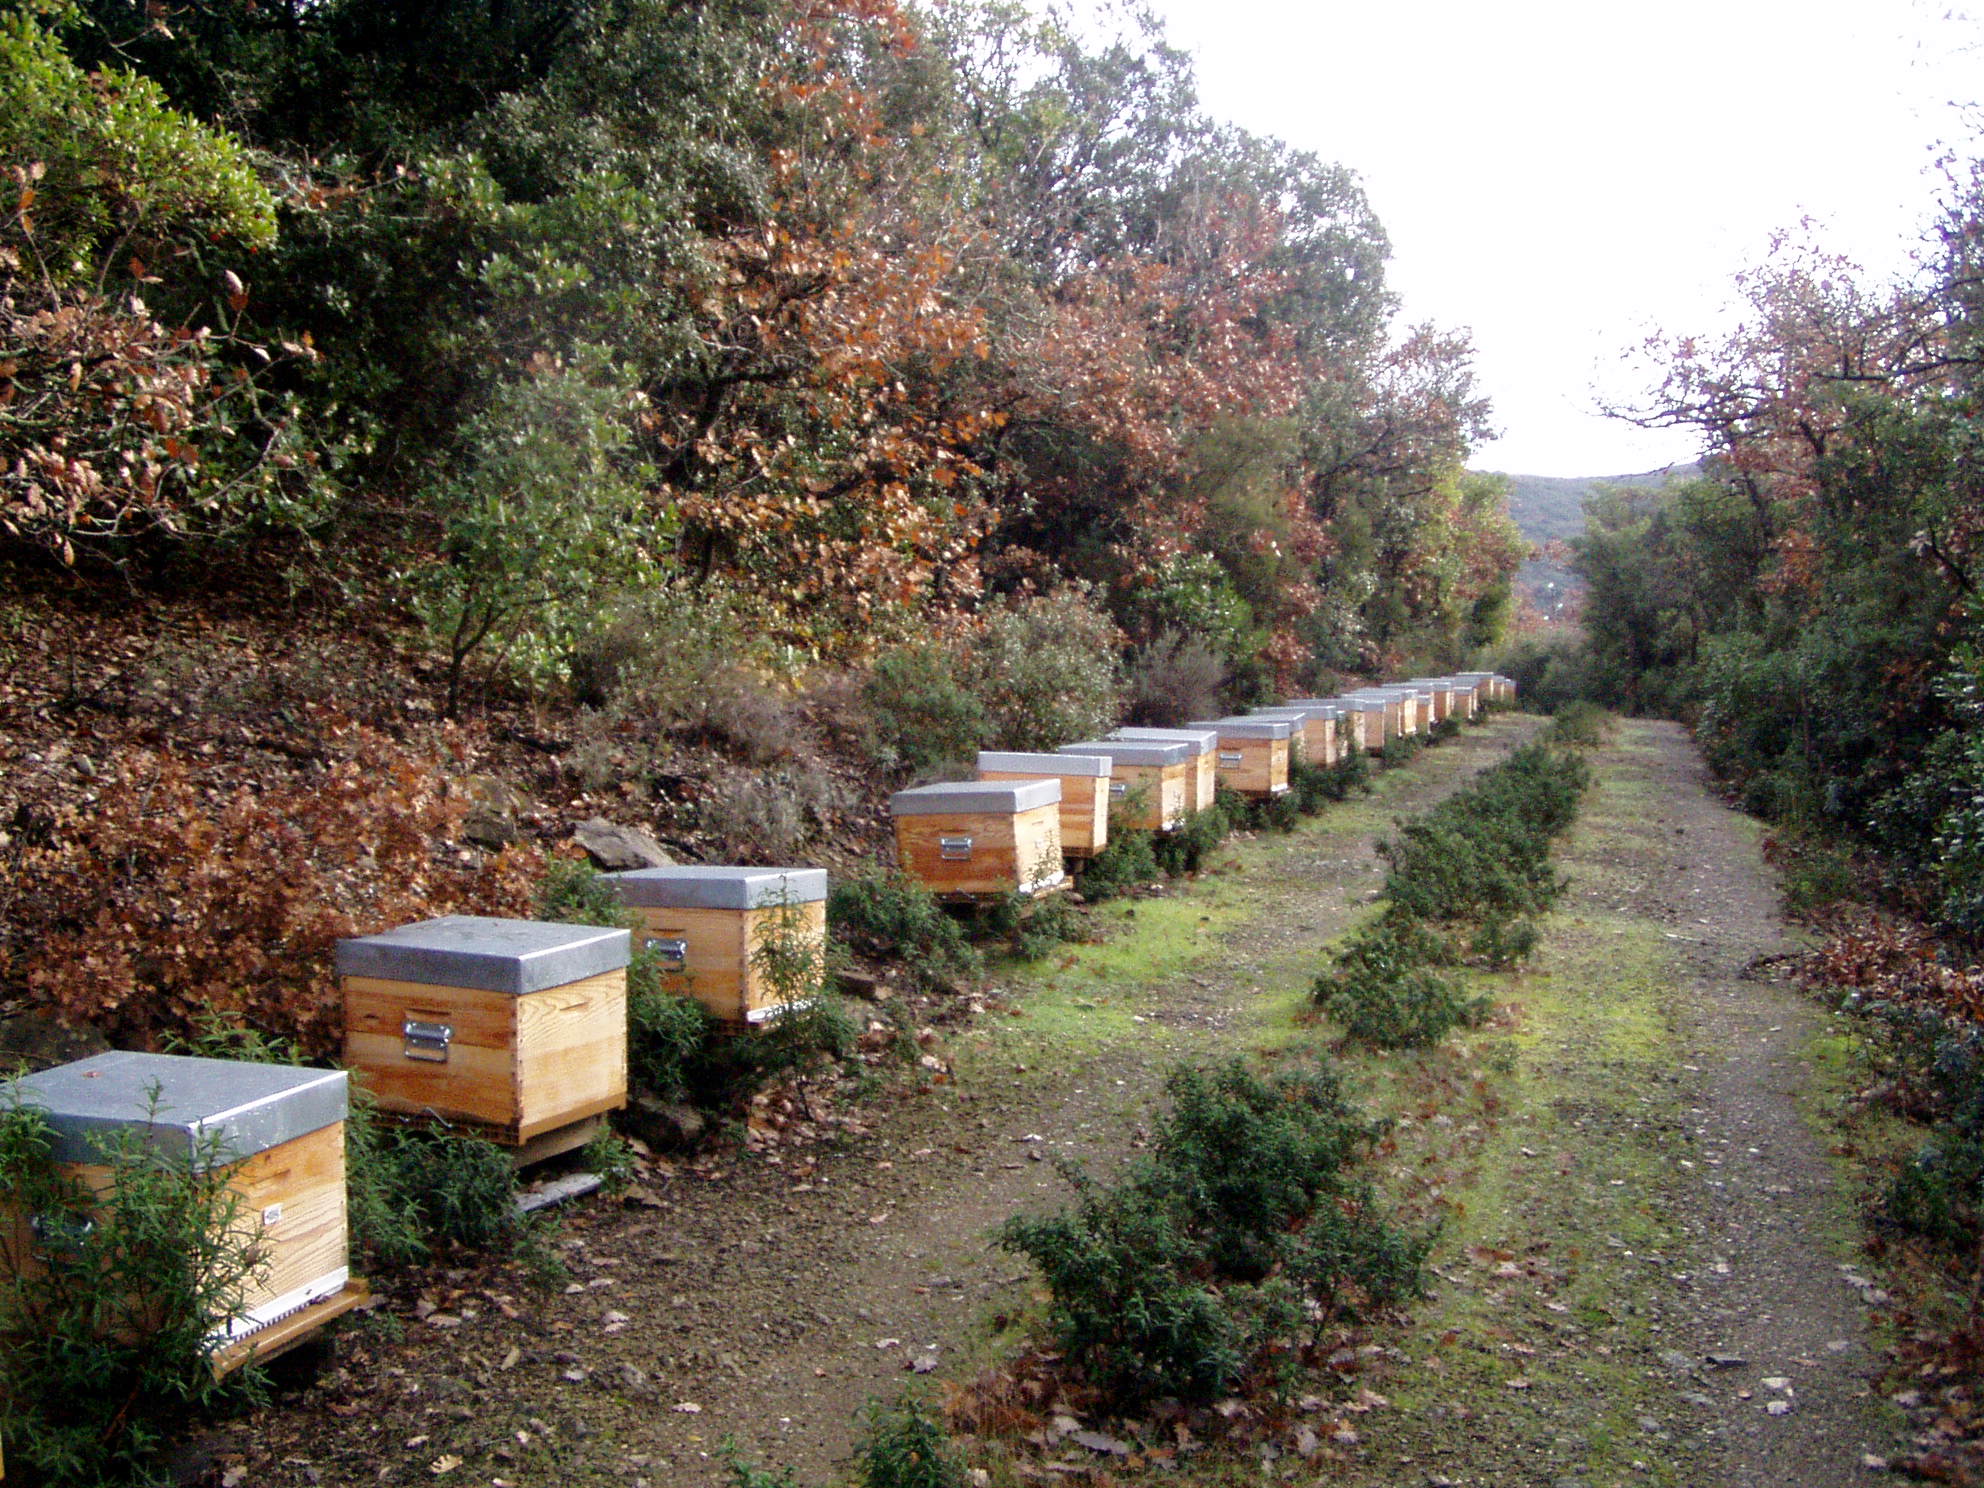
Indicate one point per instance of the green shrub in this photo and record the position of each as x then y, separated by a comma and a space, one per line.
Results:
1175, 678
1248, 1226
1036, 925
108, 1326
445, 1188
1198, 837
905, 1445
668, 1037
1447, 728
1580, 723
1403, 1005
1400, 750
1126, 860
890, 914
1044, 670
920, 715
1311, 787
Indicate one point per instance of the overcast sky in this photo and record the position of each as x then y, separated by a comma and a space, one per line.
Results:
1566, 176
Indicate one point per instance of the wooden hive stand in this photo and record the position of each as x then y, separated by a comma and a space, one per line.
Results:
1084, 792
973, 840
1202, 779
516, 1029
275, 1130
720, 931
1150, 780
1253, 754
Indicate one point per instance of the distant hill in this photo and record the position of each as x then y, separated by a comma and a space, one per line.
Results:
1550, 508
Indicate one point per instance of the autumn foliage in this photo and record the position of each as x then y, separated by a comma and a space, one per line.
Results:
165, 902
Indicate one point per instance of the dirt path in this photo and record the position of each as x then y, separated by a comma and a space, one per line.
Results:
1653, 1280
766, 1306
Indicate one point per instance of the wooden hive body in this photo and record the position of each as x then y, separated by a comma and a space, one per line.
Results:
1084, 792
517, 1027
1253, 754
1150, 780
714, 928
1315, 738
276, 1131
1440, 693
978, 839
1202, 773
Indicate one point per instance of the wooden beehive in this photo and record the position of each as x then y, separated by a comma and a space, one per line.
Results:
1084, 792
1370, 722
717, 929
974, 839
1441, 691
1253, 754
1202, 778
1150, 780
275, 1130
1392, 722
1314, 739
516, 1027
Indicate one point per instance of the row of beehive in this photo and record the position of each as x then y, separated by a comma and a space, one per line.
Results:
1009, 830
519, 1028
514, 1029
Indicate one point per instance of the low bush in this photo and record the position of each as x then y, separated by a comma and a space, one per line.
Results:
1223, 1254
1043, 668
1197, 838
1126, 861
905, 1445
1389, 1000
1473, 871
890, 914
1447, 728
918, 712
108, 1324
158, 901
772, 815
1401, 750
1580, 723
1175, 678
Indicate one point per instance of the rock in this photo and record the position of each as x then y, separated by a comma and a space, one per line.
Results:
663, 1124
859, 984
37, 1041
489, 828
615, 849
494, 806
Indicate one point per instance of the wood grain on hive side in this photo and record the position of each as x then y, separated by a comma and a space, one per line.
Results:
571, 1052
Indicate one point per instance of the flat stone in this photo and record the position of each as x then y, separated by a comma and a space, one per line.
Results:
617, 849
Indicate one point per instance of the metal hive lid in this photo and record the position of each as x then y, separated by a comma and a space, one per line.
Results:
1201, 739
704, 886
491, 955
1252, 728
1005, 796
1044, 764
1136, 751
217, 1111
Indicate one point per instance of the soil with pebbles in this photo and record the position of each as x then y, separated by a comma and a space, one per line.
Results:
762, 1305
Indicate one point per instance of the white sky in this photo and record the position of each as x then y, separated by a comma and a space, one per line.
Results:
1566, 176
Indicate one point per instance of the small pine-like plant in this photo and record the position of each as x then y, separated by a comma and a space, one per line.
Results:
1198, 837
905, 1445
1205, 1264
1126, 861
890, 914
113, 1302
